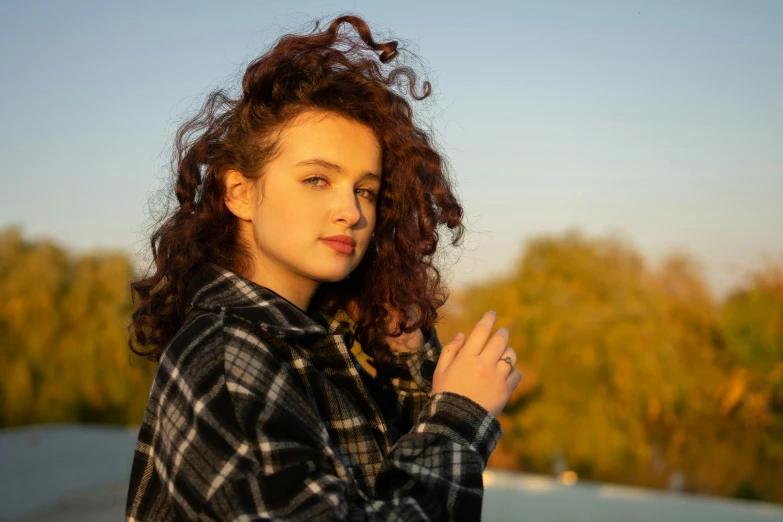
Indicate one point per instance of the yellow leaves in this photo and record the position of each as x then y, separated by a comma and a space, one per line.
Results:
749, 395
628, 358
653, 409
678, 440
62, 335
757, 404
619, 361
17, 386
733, 392
775, 375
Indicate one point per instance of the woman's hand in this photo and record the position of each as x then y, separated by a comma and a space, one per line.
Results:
475, 367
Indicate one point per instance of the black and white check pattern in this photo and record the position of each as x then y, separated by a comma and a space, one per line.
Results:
259, 411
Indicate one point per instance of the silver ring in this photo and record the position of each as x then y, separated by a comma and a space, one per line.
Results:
509, 360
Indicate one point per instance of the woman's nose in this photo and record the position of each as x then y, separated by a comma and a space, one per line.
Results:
346, 207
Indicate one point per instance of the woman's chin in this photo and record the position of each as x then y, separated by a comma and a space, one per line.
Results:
333, 272
333, 277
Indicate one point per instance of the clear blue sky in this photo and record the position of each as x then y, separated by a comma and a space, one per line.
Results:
659, 121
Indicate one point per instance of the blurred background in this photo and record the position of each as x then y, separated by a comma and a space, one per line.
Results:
621, 168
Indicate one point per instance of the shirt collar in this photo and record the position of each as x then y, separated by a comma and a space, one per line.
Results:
223, 291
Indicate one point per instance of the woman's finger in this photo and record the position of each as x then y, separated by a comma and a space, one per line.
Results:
475, 342
449, 351
496, 345
506, 365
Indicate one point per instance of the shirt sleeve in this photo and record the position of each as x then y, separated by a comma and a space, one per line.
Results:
247, 446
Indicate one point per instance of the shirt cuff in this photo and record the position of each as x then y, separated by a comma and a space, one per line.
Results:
462, 420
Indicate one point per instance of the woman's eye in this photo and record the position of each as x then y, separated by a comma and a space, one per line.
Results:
314, 181
369, 194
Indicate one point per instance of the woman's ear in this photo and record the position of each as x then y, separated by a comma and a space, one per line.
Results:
240, 195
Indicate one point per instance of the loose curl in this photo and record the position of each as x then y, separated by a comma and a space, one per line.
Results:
324, 70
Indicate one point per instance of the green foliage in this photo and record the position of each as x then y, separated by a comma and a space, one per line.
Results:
632, 374
625, 371
753, 319
63, 339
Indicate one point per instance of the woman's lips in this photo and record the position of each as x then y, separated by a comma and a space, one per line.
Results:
343, 248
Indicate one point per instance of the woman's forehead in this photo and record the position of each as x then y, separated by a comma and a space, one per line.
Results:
332, 142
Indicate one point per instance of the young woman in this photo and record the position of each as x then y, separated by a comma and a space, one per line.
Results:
307, 218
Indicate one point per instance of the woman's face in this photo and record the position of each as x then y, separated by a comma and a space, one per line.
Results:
323, 183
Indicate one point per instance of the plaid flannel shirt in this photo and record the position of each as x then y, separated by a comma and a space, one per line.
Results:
259, 411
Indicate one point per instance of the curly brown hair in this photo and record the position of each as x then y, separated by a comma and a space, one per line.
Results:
330, 71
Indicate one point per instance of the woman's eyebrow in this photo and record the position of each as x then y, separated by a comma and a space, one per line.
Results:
332, 166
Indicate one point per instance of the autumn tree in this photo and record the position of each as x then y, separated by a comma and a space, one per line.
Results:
63, 340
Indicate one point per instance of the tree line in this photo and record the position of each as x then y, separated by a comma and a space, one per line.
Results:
635, 374
631, 373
